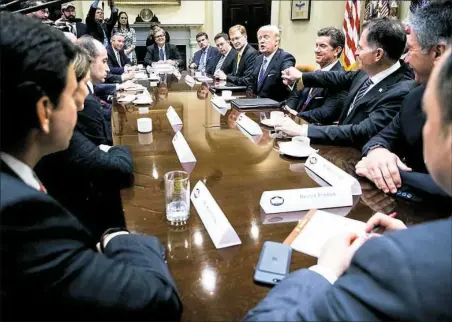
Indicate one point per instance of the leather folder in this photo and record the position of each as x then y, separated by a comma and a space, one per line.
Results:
253, 103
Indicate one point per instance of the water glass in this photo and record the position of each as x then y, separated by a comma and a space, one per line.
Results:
177, 197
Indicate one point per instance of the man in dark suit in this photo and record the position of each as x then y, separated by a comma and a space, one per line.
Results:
266, 78
203, 56
224, 61
244, 62
403, 275
314, 104
97, 28
162, 52
118, 61
402, 138
94, 120
376, 91
68, 18
51, 267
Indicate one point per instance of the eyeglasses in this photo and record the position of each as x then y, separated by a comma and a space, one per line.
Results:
236, 38
159, 36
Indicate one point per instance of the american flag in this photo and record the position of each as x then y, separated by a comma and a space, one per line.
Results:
351, 31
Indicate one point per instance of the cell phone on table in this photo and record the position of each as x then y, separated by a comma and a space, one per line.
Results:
274, 263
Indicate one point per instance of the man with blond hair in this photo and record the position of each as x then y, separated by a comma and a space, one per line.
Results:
265, 80
246, 55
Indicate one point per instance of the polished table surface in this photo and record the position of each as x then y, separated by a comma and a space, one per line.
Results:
217, 284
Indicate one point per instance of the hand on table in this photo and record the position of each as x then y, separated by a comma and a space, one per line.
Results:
220, 75
288, 126
385, 222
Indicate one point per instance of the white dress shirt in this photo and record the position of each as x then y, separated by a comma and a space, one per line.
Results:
382, 75
22, 170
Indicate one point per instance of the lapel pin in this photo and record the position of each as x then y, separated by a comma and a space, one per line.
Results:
380, 90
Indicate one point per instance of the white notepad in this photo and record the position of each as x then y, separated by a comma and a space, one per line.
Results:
321, 227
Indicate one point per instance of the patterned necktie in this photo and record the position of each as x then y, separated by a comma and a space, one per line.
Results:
202, 65
360, 94
311, 95
220, 63
260, 80
161, 54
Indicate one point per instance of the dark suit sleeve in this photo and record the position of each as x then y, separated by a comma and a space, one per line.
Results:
111, 78
90, 20
330, 79
103, 91
148, 58
247, 73
359, 134
388, 138
366, 292
293, 99
112, 21
114, 168
115, 70
329, 112
288, 61
130, 281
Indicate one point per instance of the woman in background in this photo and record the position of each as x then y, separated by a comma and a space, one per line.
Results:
130, 38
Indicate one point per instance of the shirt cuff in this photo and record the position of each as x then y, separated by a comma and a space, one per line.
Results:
325, 272
113, 235
304, 130
117, 86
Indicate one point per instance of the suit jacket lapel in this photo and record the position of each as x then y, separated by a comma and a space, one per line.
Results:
350, 98
156, 53
167, 51
242, 59
270, 66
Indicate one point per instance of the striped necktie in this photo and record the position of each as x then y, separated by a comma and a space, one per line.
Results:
220, 63
202, 61
260, 79
360, 94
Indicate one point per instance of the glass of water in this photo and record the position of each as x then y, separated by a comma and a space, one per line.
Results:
177, 197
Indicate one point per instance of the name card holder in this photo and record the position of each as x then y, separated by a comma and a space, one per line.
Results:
190, 81
174, 119
249, 125
217, 225
332, 174
183, 151
281, 201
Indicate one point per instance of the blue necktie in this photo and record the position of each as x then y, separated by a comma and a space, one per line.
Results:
260, 79
201, 66
161, 54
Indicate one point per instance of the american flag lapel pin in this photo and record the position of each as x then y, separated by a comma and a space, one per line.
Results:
380, 90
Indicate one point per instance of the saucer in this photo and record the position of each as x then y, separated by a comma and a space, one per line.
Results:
294, 149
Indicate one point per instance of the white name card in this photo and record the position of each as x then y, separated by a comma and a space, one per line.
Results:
279, 201
190, 81
219, 102
173, 118
177, 74
182, 148
249, 125
332, 174
143, 110
218, 226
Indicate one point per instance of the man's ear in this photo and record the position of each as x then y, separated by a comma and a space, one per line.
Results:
380, 53
44, 109
439, 50
337, 51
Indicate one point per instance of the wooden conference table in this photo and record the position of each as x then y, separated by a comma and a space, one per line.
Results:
217, 284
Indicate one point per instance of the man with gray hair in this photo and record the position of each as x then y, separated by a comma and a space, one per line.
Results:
266, 81
430, 28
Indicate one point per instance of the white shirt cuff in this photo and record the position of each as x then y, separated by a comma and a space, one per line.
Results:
113, 235
304, 130
325, 272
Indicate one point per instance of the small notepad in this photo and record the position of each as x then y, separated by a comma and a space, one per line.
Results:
317, 227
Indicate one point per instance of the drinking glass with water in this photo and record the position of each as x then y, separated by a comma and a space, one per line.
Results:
177, 197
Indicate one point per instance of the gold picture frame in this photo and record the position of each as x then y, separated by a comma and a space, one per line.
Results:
149, 2
300, 10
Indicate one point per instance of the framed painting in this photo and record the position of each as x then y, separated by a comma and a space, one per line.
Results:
149, 2
300, 10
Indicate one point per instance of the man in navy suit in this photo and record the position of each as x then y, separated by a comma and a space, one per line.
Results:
403, 275
402, 138
244, 62
224, 61
315, 104
51, 266
118, 61
375, 92
265, 80
205, 54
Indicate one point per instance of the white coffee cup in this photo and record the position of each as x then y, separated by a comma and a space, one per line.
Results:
276, 115
197, 74
302, 140
144, 124
226, 94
